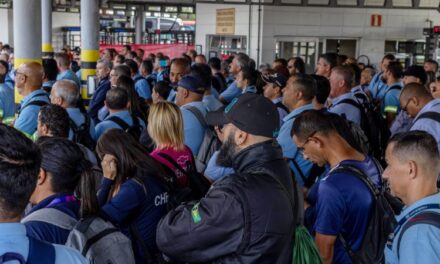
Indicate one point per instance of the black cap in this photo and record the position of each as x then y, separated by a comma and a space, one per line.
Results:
416, 71
276, 78
252, 113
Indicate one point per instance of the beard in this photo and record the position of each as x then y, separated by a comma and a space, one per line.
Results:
227, 152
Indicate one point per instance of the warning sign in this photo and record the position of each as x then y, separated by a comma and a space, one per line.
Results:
225, 23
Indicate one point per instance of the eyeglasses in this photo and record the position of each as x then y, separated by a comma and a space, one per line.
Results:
406, 105
16, 73
301, 148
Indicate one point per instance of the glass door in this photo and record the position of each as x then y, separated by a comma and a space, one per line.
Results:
307, 49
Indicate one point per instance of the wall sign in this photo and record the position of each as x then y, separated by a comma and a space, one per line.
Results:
376, 20
225, 21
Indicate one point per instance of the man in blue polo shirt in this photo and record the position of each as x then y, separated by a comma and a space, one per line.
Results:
65, 94
343, 99
297, 97
413, 167
7, 104
141, 85
17, 182
65, 73
28, 79
390, 105
418, 102
344, 201
377, 85
189, 98
117, 103
240, 61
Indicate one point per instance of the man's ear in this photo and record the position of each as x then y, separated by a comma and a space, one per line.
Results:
240, 137
42, 177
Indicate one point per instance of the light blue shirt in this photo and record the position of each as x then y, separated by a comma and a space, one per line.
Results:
13, 239
401, 124
215, 172
231, 92
142, 87
69, 75
107, 124
78, 118
420, 243
103, 113
350, 112
281, 112
390, 101
377, 86
7, 103
28, 117
78, 74
160, 76
290, 150
172, 96
193, 129
249, 89
430, 126
211, 102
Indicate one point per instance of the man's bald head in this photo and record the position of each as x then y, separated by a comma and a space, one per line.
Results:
415, 90
29, 76
65, 93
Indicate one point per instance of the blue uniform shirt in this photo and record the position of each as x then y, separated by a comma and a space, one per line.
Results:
193, 129
69, 75
7, 104
48, 232
78, 118
420, 243
390, 102
13, 239
48, 85
107, 124
289, 148
429, 125
28, 119
211, 102
249, 89
377, 86
344, 204
215, 172
142, 87
231, 92
350, 112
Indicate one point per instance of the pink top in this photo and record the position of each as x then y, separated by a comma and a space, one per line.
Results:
182, 157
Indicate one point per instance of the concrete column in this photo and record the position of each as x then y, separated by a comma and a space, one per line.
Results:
139, 25
46, 28
27, 34
89, 42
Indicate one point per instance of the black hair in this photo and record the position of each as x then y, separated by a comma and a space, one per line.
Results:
163, 88
50, 69
299, 65
215, 63
390, 57
250, 74
120, 58
357, 73
306, 85
56, 119
132, 65
6, 66
322, 88
281, 61
20, 161
331, 59
203, 72
147, 65
122, 70
116, 98
396, 69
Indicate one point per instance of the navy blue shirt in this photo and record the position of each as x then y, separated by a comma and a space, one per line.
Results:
344, 204
142, 205
48, 232
98, 98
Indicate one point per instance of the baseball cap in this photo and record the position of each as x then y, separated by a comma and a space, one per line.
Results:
252, 113
191, 83
416, 71
276, 78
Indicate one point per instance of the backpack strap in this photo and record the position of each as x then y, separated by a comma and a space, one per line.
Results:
39, 248
429, 115
282, 106
91, 241
39, 103
10, 256
427, 217
394, 87
121, 123
51, 216
351, 102
296, 165
196, 112
173, 162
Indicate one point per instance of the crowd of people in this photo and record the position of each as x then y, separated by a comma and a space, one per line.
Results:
196, 160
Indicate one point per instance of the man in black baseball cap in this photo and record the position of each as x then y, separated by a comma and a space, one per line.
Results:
415, 73
213, 228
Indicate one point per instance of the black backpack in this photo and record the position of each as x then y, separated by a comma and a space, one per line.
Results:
81, 133
197, 187
381, 223
435, 116
135, 130
210, 144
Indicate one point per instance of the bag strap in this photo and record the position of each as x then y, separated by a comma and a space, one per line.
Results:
351, 102
10, 256
282, 106
135, 121
296, 165
121, 123
196, 112
51, 216
39, 248
394, 87
427, 217
35, 103
429, 115
173, 162
91, 241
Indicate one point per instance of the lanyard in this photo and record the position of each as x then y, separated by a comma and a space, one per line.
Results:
410, 215
62, 199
